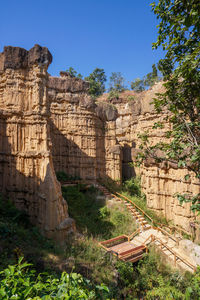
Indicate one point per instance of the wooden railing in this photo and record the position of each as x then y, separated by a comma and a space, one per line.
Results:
109, 243
167, 234
136, 206
156, 224
131, 236
176, 255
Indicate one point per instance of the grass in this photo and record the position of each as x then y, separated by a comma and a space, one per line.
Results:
81, 253
20, 238
132, 189
96, 221
93, 217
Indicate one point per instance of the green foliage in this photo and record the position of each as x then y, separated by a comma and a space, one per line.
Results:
138, 85
74, 73
93, 216
21, 282
62, 176
151, 78
97, 81
117, 82
130, 98
113, 94
19, 237
133, 186
178, 34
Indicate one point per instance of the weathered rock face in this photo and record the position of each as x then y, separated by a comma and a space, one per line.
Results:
26, 171
50, 124
159, 182
82, 132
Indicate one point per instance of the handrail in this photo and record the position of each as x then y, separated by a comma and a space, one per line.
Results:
156, 224
133, 234
168, 234
150, 236
175, 227
154, 238
178, 229
140, 209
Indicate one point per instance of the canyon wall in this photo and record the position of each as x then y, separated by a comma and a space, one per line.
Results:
160, 182
26, 170
50, 124
82, 132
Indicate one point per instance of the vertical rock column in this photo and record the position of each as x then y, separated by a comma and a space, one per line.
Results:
27, 174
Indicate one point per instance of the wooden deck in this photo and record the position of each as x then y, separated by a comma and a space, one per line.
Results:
122, 247
124, 250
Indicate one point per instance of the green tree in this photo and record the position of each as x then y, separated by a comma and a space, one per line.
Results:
179, 36
117, 82
151, 78
138, 85
97, 81
74, 73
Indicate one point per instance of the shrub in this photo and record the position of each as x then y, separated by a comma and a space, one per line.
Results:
113, 95
130, 98
20, 282
62, 176
133, 187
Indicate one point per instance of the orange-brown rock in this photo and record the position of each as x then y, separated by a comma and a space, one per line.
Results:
160, 182
50, 124
82, 132
27, 173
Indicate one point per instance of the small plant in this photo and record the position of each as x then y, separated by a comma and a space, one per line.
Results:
113, 94
62, 176
130, 98
132, 186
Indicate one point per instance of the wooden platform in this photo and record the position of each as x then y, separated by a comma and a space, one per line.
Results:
122, 247
124, 250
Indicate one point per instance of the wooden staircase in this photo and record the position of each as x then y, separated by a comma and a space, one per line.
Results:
133, 247
123, 249
137, 216
159, 234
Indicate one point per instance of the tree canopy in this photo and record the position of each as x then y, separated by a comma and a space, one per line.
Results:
139, 85
97, 81
74, 73
117, 82
179, 36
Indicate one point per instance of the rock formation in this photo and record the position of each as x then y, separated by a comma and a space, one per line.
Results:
159, 182
50, 124
82, 132
27, 174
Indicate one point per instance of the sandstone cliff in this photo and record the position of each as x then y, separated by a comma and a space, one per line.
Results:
26, 171
159, 182
82, 132
50, 124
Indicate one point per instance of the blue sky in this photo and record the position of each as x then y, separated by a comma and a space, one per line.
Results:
115, 35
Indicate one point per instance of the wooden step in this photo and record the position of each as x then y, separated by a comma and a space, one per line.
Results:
146, 227
144, 222
132, 257
136, 258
